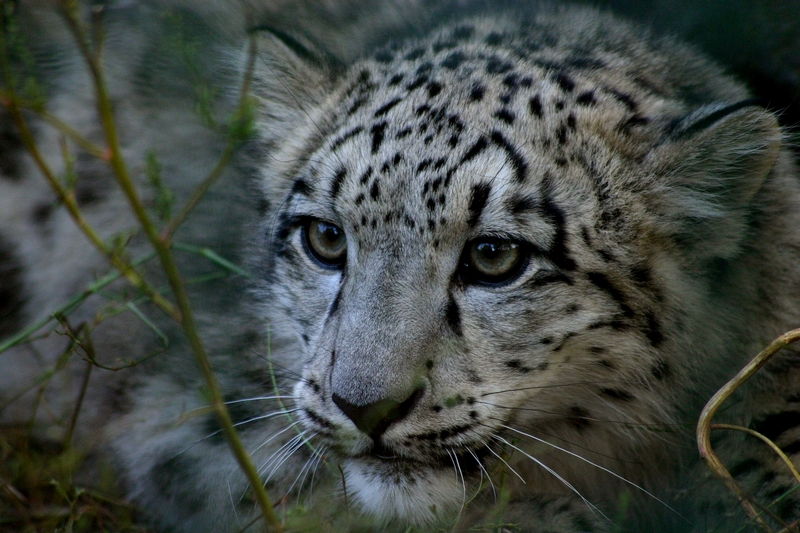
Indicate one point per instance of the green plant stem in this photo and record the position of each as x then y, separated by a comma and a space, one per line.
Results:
185, 317
704, 424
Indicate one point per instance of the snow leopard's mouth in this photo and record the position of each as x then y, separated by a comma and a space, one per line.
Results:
464, 461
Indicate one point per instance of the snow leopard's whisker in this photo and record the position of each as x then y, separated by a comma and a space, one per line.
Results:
294, 424
592, 507
590, 450
459, 475
558, 385
301, 441
483, 471
303, 471
279, 453
604, 469
592, 419
233, 503
250, 420
279, 456
262, 398
320, 458
240, 423
488, 447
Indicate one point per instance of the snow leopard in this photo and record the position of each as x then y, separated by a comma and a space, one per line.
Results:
498, 260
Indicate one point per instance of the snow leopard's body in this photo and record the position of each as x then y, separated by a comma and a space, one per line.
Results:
657, 217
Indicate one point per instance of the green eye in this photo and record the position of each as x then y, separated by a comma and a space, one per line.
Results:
492, 261
325, 243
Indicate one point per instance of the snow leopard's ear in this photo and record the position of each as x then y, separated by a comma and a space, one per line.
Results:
710, 169
291, 75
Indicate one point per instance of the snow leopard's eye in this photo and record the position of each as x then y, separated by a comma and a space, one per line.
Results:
493, 261
325, 243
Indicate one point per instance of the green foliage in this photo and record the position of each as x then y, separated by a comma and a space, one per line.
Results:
165, 198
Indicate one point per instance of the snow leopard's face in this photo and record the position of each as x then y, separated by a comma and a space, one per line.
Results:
473, 248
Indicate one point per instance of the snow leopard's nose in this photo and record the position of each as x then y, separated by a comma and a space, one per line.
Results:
376, 417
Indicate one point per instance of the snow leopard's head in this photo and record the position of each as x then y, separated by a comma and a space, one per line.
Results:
491, 235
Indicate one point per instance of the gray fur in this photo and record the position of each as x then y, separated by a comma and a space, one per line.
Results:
659, 213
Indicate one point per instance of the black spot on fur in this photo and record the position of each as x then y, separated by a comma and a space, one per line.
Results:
396, 79
415, 54
338, 178
520, 204
453, 316
346, 137
511, 81
314, 417
425, 67
497, 66
434, 88
505, 115
561, 135
564, 81
617, 394
535, 106
586, 98
477, 93
479, 146
418, 82
463, 32
516, 364
558, 248
480, 195
385, 108
626, 99
12, 298
444, 45
606, 364
357, 104
375, 191
453, 60
517, 162
365, 176
425, 163
602, 282
301, 186
578, 417
378, 131
774, 425
631, 123
493, 39
571, 122
661, 370
653, 331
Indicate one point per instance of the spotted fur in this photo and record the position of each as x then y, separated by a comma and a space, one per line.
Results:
655, 203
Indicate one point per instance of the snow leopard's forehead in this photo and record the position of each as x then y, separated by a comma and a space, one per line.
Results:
432, 135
